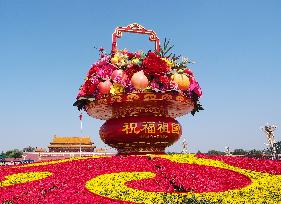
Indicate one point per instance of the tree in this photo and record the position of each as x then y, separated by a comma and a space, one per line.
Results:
254, 152
215, 152
278, 147
28, 149
239, 152
2, 155
15, 153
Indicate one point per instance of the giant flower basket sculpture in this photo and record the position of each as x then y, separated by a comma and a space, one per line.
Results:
139, 95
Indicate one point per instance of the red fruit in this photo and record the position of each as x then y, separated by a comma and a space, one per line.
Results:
104, 87
139, 80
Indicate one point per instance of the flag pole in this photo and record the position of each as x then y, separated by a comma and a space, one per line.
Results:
81, 129
81, 122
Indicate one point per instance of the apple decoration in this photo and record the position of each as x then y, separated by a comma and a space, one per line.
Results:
182, 81
104, 87
139, 80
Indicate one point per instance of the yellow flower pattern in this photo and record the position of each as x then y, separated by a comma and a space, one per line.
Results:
261, 189
264, 187
20, 178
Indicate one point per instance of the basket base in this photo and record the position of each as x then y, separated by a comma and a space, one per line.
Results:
140, 134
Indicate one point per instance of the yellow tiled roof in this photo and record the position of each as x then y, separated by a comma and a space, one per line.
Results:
71, 146
71, 140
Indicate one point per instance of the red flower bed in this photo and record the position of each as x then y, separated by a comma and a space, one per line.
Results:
175, 177
260, 165
68, 179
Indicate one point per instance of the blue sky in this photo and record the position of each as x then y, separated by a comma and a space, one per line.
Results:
46, 48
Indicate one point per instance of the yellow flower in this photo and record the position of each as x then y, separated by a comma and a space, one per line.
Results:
18, 178
121, 62
169, 63
135, 61
265, 188
116, 89
114, 60
54, 162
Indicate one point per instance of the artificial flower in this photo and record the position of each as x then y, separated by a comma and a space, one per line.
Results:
158, 70
153, 64
169, 63
116, 89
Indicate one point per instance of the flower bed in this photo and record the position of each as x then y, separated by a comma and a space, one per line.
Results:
143, 179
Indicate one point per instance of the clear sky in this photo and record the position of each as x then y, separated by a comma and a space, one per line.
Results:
46, 48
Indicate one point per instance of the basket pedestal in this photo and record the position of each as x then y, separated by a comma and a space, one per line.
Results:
140, 123
140, 134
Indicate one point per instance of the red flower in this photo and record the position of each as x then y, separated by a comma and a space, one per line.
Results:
88, 88
130, 55
131, 70
82, 92
67, 184
164, 80
188, 71
153, 64
92, 70
261, 165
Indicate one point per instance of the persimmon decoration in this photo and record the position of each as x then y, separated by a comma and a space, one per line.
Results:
139, 80
181, 80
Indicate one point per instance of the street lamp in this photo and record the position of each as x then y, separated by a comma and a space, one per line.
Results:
184, 147
80, 149
227, 150
269, 133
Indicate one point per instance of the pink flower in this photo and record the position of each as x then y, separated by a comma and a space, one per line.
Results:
194, 86
188, 71
154, 85
173, 85
198, 90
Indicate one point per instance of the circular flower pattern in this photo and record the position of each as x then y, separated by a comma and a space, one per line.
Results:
143, 179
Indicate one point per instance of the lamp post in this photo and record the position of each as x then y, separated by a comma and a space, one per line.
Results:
80, 150
227, 150
269, 133
184, 147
